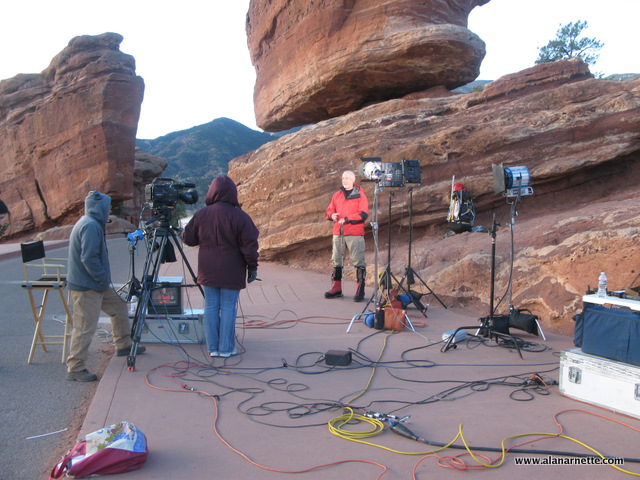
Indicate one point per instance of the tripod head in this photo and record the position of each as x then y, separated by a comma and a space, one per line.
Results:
162, 216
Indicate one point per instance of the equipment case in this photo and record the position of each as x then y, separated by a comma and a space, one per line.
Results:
609, 332
185, 328
599, 381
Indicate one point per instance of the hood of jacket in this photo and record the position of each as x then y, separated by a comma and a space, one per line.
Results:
97, 205
222, 189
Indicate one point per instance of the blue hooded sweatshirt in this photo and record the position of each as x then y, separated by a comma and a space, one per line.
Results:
88, 267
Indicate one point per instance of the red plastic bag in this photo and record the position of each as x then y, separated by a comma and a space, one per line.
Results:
118, 448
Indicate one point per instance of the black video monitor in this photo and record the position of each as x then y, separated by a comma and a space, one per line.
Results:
166, 297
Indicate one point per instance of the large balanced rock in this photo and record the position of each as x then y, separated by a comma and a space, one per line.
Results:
578, 136
69, 130
318, 60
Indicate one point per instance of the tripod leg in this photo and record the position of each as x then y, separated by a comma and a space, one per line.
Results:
430, 291
409, 324
194, 277
414, 300
148, 281
139, 322
126, 291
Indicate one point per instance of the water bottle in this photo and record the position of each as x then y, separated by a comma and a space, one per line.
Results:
133, 305
602, 285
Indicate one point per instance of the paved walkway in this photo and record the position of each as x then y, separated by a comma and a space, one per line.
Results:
265, 413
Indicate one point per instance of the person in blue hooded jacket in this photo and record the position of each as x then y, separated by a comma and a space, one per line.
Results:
227, 260
89, 281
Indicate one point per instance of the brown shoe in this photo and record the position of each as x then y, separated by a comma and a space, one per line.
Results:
82, 376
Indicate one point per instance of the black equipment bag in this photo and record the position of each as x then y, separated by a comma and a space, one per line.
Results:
462, 210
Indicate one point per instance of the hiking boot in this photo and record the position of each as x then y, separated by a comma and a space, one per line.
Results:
82, 376
336, 286
335, 291
125, 352
361, 273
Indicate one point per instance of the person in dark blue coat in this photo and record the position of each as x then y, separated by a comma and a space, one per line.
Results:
227, 260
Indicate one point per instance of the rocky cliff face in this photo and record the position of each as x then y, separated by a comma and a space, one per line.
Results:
579, 137
68, 130
318, 60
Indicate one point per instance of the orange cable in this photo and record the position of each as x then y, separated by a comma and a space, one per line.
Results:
215, 430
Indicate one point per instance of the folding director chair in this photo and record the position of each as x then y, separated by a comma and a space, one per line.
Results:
50, 277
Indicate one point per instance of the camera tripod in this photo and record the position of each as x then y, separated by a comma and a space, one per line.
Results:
488, 327
158, 247
410, 273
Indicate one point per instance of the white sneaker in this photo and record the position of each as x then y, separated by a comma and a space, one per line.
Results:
214, 354
231, 353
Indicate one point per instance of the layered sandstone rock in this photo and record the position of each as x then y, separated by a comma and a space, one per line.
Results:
579, 136
69, 130
146, 168
318, 60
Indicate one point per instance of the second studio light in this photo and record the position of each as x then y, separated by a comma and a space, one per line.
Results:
511, 181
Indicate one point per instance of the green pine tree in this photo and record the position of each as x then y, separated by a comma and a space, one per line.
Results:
569, 44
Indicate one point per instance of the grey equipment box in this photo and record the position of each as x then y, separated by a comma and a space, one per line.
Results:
599, 381
185, 328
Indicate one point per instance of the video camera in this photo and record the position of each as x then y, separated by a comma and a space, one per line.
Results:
166, 192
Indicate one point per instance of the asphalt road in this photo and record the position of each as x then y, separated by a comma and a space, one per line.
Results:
36, 400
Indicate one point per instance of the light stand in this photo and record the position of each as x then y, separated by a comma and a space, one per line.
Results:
514, 212
374, 231
156, 251
392, 175
517, 319
387, 273
487, 328
410, 273
132, 287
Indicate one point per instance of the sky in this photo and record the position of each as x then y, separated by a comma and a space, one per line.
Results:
195, 63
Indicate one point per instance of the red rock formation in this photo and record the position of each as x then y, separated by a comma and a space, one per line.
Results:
146, 168
579, 136
317, 60
72, 126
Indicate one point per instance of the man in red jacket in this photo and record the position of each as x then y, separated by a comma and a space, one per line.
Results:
348, 210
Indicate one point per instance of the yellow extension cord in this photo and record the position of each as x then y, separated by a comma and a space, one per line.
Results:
377, 427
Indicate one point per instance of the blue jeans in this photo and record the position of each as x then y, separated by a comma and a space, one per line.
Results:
220, 318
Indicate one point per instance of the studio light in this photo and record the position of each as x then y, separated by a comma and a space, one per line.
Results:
390, 174
511, 181
371, 168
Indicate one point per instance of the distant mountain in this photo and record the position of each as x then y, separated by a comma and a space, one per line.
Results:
622, 77
203, 152
473, 86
